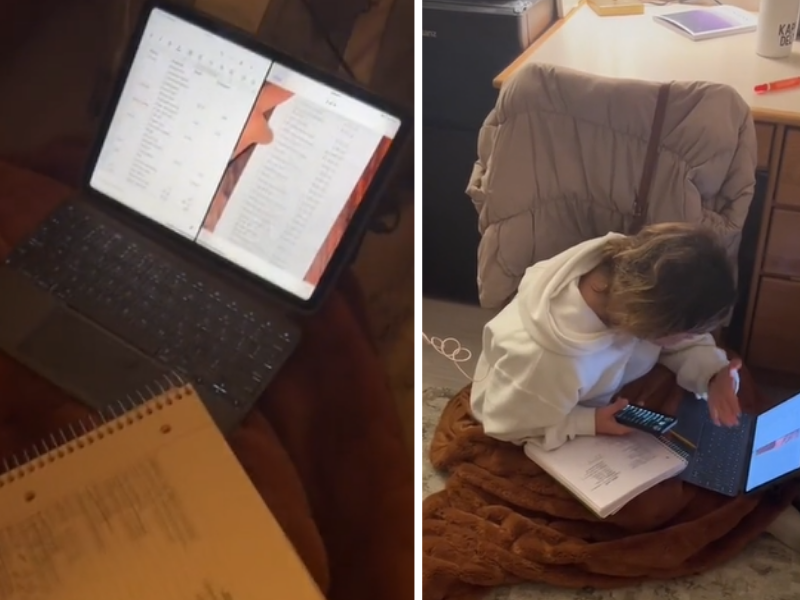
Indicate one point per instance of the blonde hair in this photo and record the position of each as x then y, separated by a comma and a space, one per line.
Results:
669, 279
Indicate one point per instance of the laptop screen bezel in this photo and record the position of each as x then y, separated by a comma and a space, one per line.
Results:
751, 445
358, 225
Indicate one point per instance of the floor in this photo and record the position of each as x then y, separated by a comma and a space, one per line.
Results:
44, 99
454, 324
767, 569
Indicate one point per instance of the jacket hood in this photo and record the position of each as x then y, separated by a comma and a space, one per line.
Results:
571, 328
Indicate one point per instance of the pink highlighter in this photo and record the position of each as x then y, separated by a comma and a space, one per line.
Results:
776, 86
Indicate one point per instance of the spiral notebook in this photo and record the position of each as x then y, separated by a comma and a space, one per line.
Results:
605, 472
146, 501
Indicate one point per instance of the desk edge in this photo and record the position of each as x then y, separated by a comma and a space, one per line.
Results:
506, 73
765, 115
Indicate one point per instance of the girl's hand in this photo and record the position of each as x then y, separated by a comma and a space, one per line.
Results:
604, 422
723, 404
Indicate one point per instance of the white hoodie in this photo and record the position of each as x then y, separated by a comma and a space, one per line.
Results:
548, 361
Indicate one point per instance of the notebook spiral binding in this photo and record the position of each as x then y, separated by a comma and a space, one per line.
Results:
676, 448
76, 436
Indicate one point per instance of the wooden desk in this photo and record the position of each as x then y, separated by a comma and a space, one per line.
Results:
636, 47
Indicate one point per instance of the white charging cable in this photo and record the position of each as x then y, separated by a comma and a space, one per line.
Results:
452, 350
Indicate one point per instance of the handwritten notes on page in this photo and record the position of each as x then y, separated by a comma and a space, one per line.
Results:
159, 508
605, 472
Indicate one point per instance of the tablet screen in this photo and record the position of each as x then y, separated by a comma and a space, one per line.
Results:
776, 447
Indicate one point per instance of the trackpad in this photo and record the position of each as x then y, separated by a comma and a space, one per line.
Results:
85, 360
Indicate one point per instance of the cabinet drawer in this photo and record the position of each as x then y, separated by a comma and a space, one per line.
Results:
775, 336
788, 188
782, 254
764, 133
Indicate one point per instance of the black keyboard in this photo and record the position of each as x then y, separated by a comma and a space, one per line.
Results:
224, 347
718, 463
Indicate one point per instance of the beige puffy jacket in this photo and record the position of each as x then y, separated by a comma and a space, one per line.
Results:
561, 155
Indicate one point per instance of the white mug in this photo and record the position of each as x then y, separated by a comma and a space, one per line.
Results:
777, 27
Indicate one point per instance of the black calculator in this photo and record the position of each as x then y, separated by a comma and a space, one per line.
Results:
645, 420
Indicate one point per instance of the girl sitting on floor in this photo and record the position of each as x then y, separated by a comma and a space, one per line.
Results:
598, 316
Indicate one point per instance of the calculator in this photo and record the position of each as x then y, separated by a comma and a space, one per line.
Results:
645, 420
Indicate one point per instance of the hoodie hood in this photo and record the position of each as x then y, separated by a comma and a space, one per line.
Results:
575, 334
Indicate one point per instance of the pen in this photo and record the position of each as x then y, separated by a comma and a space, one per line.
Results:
781, 84
683, 440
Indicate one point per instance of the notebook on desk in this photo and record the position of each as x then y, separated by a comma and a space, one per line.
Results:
148, 501
707, 23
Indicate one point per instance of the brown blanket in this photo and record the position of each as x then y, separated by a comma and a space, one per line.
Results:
325, 450
501, 520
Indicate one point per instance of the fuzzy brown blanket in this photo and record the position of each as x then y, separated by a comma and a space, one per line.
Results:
501, 520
